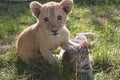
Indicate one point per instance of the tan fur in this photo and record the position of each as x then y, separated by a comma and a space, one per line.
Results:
48, 33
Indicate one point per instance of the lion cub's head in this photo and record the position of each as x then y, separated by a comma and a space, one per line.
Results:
52, 15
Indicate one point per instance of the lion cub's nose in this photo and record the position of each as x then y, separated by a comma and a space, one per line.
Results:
55, 31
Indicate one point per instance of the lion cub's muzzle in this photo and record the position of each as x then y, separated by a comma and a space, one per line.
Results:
54, 31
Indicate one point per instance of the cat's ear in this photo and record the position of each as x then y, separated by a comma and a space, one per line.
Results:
67, 5
86, 45
35, 8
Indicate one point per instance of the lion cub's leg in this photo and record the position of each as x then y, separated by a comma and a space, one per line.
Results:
48, 56
26, 56
66, 46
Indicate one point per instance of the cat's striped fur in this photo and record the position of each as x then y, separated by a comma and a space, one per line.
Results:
77, 60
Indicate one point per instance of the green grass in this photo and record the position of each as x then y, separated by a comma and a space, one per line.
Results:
101, 18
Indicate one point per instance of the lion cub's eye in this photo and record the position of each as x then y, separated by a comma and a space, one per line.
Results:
59, 17
46, 19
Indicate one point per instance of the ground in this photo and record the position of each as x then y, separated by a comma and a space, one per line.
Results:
100, 18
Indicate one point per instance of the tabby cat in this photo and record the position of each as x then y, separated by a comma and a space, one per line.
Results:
77, 60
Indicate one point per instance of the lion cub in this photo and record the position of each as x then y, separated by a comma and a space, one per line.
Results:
48, 33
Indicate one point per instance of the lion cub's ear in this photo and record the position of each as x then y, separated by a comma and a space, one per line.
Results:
35, 8
67, 5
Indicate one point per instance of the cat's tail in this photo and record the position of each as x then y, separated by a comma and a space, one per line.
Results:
89, 35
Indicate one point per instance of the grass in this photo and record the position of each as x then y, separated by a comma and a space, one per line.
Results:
102, 19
